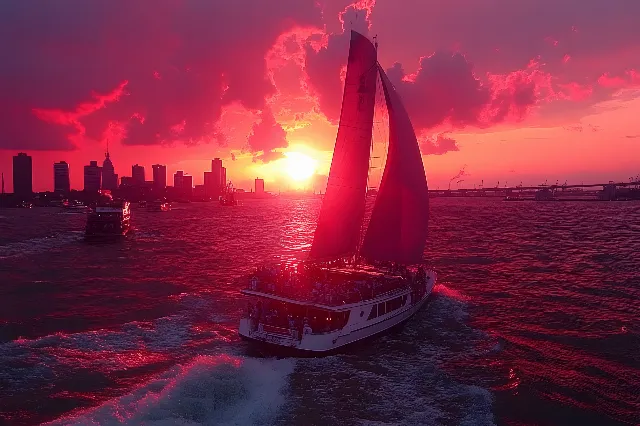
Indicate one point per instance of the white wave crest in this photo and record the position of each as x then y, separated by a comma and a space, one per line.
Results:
221, 390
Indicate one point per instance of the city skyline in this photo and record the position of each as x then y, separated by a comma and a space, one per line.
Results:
456, 182
103, 177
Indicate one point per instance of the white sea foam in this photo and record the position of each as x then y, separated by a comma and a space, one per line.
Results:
221, 390
401, 378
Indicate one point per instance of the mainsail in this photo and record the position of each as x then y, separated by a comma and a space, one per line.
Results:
338, 231
397, 230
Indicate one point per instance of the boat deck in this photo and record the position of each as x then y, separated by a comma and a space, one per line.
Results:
318, 302
340, 287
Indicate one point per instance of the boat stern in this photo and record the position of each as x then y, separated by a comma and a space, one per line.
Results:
288, 338
268, 334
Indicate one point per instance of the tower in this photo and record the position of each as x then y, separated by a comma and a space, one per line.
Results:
22, 175
109, 178
61, 181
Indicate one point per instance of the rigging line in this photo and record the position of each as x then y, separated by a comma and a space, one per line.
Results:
379, 110
380, 129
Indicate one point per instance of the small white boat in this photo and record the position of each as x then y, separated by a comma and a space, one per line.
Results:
320, 306
75, 206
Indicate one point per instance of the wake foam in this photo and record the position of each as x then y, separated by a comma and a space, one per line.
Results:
408, 377
221, 390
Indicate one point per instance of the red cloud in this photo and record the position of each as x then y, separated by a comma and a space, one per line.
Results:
629, 79
266, 136
438, 145
445, 90
574, 91
325, 62
606, 80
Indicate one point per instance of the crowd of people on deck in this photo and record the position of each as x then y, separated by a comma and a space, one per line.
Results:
294, 320
323, 283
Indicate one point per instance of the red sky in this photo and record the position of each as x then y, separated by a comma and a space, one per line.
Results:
502, 90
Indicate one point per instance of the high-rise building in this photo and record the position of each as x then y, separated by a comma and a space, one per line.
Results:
209, 184
126, 181
259, 187
22, 175
216, 180
178, 177
109, 177
187, 185
61, 182
137, 173
223, 178
92, 177
159, 176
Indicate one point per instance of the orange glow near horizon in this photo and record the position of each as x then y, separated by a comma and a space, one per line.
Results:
299, 166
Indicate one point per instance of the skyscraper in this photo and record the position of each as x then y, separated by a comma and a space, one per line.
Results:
109, 178
159, 176
259, 187
187, 185
223, 178
216, 180
137, 173
22, 175
61, 182
92, 177
177, 179
209, 184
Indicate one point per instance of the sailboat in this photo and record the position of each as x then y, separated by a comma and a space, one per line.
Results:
354, 285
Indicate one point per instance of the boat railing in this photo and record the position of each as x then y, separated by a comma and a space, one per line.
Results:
318, 296
275, 330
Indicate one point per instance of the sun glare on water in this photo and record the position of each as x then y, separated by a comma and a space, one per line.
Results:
299, 166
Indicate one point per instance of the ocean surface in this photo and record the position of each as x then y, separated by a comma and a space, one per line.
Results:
535, 321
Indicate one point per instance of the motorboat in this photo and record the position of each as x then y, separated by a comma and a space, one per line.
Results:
108, 219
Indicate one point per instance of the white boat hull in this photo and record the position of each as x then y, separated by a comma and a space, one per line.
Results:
358, 327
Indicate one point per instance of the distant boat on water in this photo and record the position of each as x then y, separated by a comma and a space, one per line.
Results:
229, 198
355, 284
74, 206
158, 206
108, 219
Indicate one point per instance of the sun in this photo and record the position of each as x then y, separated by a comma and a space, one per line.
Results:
299, 166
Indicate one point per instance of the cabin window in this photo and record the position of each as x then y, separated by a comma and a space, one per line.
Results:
393, 304
374, 312
381, 309
322, 321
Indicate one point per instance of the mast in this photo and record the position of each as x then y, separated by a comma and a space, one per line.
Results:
342, 212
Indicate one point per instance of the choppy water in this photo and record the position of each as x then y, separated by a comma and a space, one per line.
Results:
536, 320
